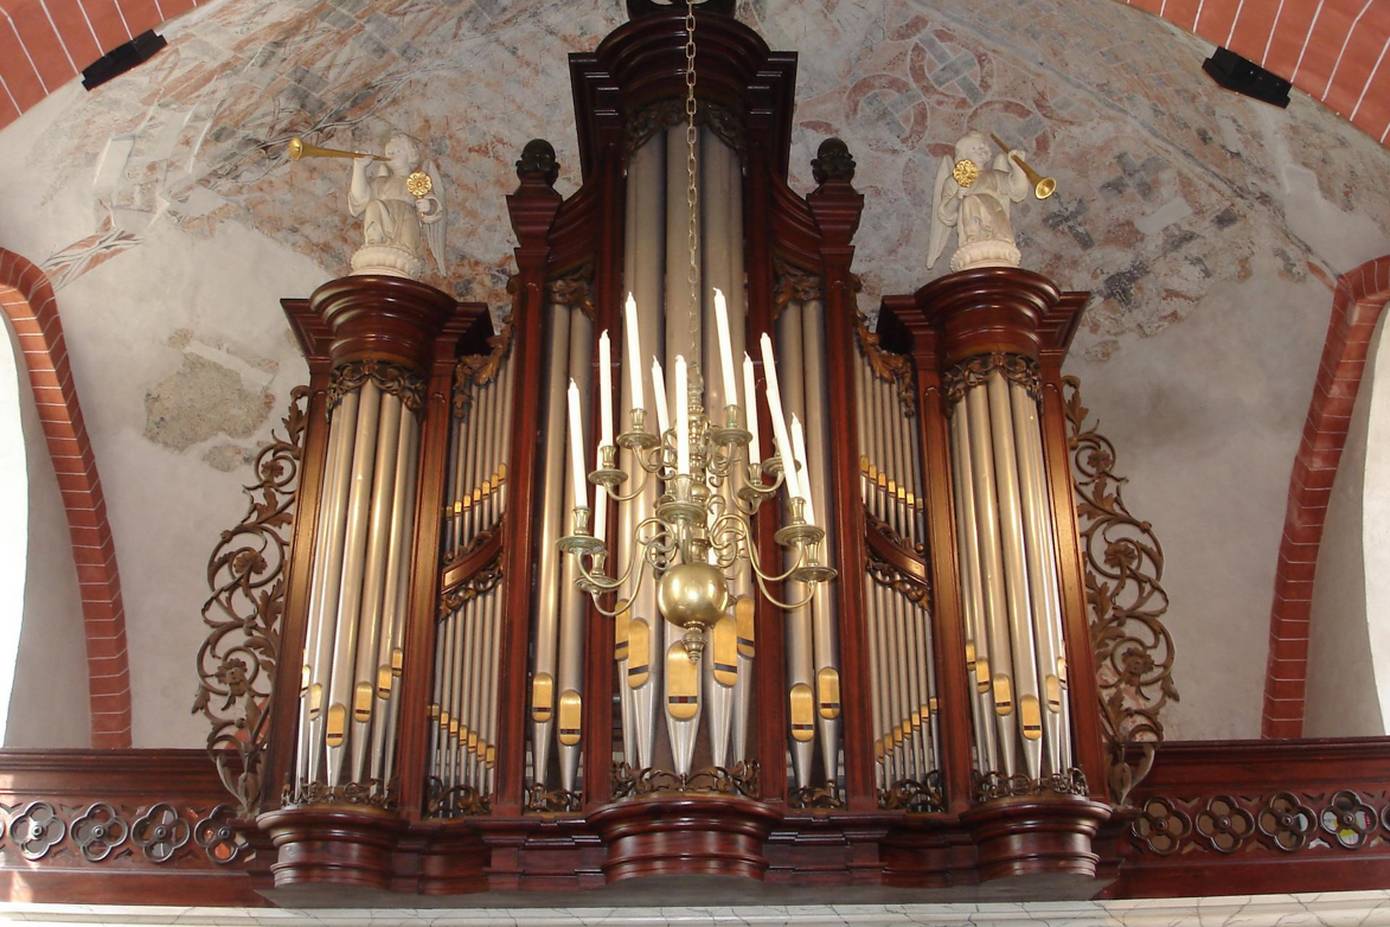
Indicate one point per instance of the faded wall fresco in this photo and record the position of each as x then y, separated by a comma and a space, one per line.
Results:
1207, 225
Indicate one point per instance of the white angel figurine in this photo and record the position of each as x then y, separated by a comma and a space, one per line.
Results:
972, 195
402, 211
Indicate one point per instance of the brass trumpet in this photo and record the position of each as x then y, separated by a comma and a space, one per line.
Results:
301, 149
1043, 187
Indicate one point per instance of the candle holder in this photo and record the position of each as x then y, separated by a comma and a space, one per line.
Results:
701, 524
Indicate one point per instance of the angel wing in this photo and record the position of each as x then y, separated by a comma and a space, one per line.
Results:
434, 223
940, 228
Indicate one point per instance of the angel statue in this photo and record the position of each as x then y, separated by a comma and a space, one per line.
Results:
974, 200
400, 202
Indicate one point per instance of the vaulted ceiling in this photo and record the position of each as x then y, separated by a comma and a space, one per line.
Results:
1210, 227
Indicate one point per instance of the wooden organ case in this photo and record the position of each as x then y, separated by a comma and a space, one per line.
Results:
452, 714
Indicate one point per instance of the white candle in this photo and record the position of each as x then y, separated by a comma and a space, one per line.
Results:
750, 411
779, 421
726, 349
581, 491
799, 449
682, 417
605, 389
663, 416
634, 353
600, 507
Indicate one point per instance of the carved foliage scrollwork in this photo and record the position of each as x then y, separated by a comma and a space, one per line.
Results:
912, 795
371, 793
483, 581
911, 588
399, 381
457, 802
541, 800
793, 285
478, 370
1124, 573
664, 114
887, 366
975, 371
739, 779
827, 797
236, 662
574, 289
993, 786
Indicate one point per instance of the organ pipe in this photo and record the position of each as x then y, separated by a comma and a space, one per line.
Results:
1012, 610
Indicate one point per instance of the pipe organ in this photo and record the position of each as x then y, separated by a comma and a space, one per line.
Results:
457, 708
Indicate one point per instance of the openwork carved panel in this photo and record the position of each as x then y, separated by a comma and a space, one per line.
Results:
400, 382
478, 370
573, 289
119, 835
911, 795
1284, 821
740, 779
457, 802
887, 366
371, 793
968, 374
1124, 572
664, 114
911, 588
236, 662
479, 583
994, 786
541, 800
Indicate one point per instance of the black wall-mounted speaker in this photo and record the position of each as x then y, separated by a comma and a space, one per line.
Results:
1246, 77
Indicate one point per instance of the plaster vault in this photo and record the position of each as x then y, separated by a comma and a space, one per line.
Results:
166, 218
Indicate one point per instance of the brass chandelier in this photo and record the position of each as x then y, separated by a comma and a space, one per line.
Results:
712, 474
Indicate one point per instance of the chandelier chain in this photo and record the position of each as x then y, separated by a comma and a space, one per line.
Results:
692, 274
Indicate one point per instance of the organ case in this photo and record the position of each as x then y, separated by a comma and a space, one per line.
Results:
453, 713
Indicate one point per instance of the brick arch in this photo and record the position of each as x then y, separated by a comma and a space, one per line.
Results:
27, 300
1333, 50
1357, 302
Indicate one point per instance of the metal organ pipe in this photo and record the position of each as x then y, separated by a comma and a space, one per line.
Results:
324, 588
350, 590
374, 582
1005, 531
977, 653
544, 696
569, 681
825, 640
644, 243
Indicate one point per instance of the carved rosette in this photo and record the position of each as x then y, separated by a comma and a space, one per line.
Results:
236, 662
399, 381
664, 114
887, 366
116, 835
1284, 821
975, 371
739, 779
1124, 570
